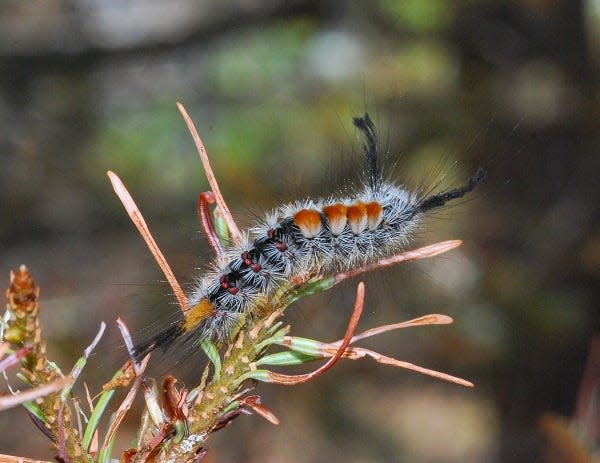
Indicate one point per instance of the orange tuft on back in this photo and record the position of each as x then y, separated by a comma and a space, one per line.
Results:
308, 221
336, 215
357, 217
374, 214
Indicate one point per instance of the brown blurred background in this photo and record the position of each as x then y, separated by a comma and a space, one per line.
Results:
91, 85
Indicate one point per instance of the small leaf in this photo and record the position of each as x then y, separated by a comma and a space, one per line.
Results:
314, 286
233, 405
95, 417
221, 226
286, 358
104, 455
180, 431
213, 355
259, 375
305, 346
277, 338
35, 411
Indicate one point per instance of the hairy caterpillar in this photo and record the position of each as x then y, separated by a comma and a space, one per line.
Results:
317, 236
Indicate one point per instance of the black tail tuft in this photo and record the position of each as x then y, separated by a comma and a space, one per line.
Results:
367, 127
440, 199
163, 340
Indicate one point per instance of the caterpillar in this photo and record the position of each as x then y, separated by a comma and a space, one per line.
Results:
320, 236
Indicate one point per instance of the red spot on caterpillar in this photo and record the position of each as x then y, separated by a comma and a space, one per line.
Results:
357, 217
336, 215
374, 214
223, 282
233, 290
308, 221
246, 258
255, 268
281, 246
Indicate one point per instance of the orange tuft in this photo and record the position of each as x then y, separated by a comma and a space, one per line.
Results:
357, 217
336, 215
308, 221
374, 214
197, 314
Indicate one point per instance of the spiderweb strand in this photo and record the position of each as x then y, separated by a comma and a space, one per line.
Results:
233, 228
138, 220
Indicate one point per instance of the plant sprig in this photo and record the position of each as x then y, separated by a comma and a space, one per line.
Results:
177, 422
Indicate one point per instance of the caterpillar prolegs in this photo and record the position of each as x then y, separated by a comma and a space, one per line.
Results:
319, 236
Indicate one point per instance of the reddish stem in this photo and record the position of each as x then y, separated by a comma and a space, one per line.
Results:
204, 199
421, 253
292, 380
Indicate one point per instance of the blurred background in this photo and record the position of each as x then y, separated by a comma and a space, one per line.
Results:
91, 85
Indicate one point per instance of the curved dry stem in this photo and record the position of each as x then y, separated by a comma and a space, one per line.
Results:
9, 401
421, 253
355, 353
292, 380
431, 319
127, 402
138, 220
212, 180
204, 199
254, 403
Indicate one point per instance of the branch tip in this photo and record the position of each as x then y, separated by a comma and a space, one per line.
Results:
138, 220
212, 180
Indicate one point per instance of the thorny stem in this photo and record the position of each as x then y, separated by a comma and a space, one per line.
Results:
217, 394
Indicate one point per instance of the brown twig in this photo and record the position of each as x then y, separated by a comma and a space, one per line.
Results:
422, 253
212, 181
355, 353
43, 390
11, 459
126, 404
431, 319
138, 220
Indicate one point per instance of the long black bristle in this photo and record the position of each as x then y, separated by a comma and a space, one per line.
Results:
162, 340
442, 198
367, 127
